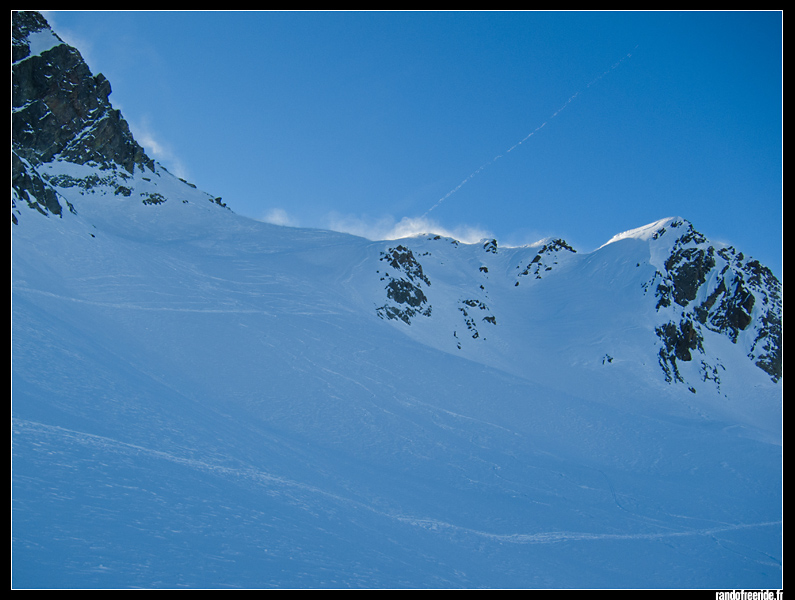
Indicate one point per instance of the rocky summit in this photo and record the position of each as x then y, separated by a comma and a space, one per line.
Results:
61, 112
201, 400
717, 289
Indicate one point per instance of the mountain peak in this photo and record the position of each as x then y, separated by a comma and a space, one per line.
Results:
66, 135
650, 231
60, 111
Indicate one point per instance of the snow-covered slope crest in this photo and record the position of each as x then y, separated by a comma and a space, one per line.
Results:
646, 232
662, 297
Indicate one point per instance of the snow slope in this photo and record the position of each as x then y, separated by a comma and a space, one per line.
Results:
200, 400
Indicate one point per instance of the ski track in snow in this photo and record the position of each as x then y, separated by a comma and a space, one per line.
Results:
26, 427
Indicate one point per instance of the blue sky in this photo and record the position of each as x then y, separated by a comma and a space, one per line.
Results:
379, 122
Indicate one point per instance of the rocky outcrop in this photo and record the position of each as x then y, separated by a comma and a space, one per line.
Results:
678, 343
490, 246
30, 187
404, 288
474, 312
60, 111
716, 289
547, 257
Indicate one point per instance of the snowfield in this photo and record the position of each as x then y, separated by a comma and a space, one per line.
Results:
200, 400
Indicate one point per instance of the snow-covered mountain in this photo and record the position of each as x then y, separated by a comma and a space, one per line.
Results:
203, 400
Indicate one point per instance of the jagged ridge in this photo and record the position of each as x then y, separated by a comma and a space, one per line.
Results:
717, 289
697, 286
62, 116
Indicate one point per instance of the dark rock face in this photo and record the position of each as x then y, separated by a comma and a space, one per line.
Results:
678, 341
404, 287
32, 188
404, 292
60, 111
406, 284
471, 310
689, 268
546, 258
402, 259
718, 290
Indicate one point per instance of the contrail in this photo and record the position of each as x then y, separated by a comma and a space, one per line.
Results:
613, 67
